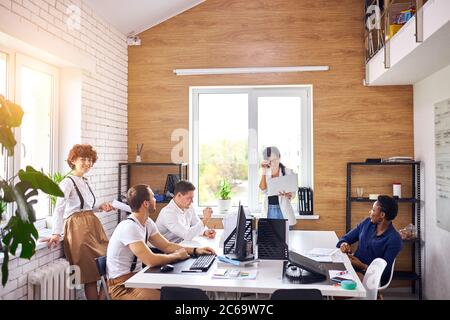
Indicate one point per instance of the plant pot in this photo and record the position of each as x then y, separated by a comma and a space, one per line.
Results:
224, 205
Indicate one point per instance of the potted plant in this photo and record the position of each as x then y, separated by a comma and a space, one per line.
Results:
56, 177
224, 195
19, 190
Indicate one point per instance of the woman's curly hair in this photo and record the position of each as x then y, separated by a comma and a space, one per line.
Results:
81, 151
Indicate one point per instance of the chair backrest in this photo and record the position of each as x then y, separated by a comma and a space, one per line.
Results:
372, 278
305, 201
179, 293
390, 278
101, 268
297, 294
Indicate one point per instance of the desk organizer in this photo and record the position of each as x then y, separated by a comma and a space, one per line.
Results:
229, 243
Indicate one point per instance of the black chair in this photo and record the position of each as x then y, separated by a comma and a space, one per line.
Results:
297, 294
179, 293
305, 201
101, 267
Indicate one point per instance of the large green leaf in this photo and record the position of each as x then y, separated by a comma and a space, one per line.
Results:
25, 208
11, 114
7, 139
23, 233
7, 193
2, 208
56, 177
5, 271
38, 180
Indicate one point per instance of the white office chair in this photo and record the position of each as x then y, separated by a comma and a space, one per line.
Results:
390, 278
372, 278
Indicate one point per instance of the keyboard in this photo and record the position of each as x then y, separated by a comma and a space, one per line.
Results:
203, 262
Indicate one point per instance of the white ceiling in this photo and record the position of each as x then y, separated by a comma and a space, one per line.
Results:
135, 16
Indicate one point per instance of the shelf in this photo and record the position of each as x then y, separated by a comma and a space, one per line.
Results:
405, 275
407, 200
414, 199
175, 168
383, 163
151, 164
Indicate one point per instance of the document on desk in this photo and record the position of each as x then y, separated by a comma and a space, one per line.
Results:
287, 183
229, 224
236, 274
324, 255
340, 274
121, 206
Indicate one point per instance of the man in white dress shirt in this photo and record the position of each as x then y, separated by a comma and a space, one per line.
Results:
128, 250
178, 220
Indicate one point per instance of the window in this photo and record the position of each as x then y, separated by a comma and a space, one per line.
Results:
3, 88
36, 89
232, 126
3, 92
223, 148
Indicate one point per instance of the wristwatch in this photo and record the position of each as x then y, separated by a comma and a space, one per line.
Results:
194, 253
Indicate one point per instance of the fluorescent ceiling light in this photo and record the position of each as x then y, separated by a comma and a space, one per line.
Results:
191, 72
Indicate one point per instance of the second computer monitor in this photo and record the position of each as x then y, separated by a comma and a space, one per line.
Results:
242, 249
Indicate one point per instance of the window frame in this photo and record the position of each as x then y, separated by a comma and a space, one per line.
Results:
10, 62
254, 92
9, 164
14, 61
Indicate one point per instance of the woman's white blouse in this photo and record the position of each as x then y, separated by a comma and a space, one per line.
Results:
70, 204
285, 203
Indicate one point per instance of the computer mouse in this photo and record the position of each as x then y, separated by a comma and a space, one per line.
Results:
167, 268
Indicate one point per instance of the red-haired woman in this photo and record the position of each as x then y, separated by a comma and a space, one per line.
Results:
84, 237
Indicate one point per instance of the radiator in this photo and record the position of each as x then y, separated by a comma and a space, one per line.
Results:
51, 282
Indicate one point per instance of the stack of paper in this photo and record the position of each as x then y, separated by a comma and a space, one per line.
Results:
224, 260
324, 255
121, 206
237, 274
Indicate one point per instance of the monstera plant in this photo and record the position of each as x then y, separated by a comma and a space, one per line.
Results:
21, 191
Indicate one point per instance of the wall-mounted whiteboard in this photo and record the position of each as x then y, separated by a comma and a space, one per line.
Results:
442, 144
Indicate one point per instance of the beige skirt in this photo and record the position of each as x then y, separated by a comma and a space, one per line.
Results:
84, 240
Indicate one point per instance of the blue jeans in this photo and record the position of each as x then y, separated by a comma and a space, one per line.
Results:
274, 212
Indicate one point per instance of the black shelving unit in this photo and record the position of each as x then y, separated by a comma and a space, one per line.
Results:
416, 257
182, 172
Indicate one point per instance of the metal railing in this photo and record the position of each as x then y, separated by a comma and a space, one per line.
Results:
383, 19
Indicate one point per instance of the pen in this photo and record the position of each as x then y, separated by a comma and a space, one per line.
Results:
194, 271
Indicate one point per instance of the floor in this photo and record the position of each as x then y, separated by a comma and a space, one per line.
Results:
399, 294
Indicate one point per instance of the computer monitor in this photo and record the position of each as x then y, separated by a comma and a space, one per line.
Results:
242, 249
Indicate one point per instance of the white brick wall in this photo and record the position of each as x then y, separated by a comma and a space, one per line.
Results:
16, 287
104, 107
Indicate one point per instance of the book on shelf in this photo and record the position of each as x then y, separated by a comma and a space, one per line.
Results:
398, 159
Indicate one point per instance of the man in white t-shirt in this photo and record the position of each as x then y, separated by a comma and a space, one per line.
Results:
178, 221
127, 248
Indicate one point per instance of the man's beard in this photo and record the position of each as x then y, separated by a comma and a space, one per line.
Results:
150, 210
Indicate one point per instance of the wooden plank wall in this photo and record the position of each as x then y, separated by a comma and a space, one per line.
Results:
351, 122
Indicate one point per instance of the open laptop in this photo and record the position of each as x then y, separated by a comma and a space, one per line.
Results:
287, 183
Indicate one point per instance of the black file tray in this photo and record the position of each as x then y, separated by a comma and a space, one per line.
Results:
272, 239
229, 243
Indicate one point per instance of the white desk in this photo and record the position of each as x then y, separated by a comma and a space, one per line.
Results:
269, 276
